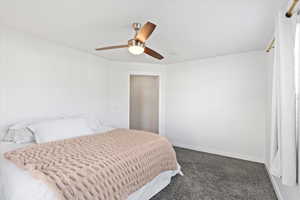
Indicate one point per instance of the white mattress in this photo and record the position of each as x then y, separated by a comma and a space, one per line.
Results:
17, 184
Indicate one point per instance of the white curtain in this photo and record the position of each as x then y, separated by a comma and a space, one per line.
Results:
297, 62
284, 144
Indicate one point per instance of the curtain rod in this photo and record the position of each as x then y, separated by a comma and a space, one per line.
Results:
288, 14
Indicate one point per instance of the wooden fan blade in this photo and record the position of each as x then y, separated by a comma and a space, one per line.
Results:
112, 47
153, 53
145, 32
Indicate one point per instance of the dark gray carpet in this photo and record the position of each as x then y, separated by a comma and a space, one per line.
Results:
212, 177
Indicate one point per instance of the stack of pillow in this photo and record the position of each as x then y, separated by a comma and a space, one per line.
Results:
47, 130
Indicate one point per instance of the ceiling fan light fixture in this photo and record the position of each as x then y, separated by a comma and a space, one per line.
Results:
136, 50
136, 47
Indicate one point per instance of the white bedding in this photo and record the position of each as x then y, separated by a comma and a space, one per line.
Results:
17, 184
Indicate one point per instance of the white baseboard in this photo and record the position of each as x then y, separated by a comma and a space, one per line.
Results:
275, 185
222, 153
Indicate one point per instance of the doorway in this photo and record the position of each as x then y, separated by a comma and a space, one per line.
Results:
144, 103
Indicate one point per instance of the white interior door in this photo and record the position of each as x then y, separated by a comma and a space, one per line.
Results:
144, 103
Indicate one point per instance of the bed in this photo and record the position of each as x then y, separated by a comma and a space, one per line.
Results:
17, 183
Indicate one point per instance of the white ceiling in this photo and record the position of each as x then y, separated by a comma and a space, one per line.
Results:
186, 29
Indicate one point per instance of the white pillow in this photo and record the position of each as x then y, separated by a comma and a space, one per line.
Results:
92, 120
25, 123
19, 136
60, 129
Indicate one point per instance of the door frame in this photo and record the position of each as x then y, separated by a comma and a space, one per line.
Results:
160, 101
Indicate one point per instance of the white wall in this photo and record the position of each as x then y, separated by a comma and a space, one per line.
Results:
119, 91
218, 105
40, 78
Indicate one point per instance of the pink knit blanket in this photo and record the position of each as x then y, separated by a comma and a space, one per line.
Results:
107, 166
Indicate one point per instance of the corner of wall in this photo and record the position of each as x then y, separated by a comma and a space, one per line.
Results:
274, 184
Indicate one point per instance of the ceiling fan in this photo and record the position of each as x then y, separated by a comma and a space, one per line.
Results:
137, 45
